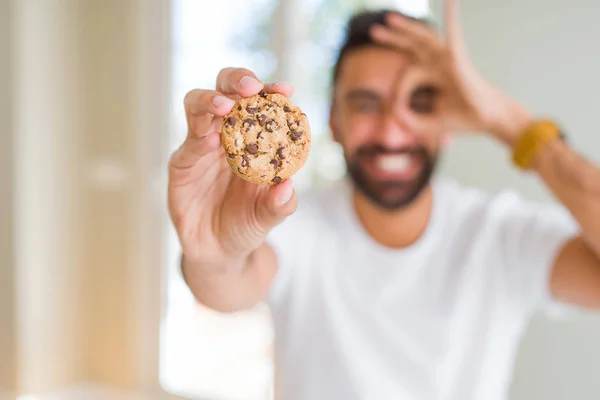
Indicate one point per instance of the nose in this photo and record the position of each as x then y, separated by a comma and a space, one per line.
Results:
394, 133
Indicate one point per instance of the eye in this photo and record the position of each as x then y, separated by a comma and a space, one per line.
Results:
365, 106
422, 99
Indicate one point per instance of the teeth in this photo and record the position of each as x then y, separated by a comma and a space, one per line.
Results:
393, 163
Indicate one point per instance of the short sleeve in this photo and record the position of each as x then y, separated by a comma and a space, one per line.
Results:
532, 237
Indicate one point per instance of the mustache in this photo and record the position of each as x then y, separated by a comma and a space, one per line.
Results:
367, 151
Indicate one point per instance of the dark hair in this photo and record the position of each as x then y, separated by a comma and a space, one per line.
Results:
358, 33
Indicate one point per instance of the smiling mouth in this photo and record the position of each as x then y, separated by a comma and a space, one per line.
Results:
400, 166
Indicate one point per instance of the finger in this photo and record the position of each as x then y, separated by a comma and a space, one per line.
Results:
417, 30
454, 30
238, 81
402, 43
193, 149
417, 101
200, 107
283, 88
198, 102
279, 202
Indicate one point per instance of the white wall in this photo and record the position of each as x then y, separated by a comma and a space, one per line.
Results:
546, 54
7, 292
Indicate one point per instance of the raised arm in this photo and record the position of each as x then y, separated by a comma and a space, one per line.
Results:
468, 102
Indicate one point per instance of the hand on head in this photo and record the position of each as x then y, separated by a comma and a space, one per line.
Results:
467, 101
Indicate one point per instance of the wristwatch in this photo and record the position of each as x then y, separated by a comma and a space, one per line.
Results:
532, 140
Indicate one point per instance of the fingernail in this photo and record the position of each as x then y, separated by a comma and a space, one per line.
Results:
286, 195
248, 81
219, 100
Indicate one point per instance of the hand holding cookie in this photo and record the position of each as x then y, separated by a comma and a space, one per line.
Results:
219, 216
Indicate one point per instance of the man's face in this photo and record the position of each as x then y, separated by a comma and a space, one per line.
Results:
378, 116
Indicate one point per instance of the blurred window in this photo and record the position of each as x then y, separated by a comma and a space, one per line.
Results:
204, 354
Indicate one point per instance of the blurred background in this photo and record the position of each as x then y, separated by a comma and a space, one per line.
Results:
92, 305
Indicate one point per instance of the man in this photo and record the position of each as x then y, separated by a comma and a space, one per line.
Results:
390, 284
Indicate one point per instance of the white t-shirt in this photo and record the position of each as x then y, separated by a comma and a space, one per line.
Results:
442, 319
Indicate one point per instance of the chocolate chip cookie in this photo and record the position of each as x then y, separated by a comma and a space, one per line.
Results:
266, 138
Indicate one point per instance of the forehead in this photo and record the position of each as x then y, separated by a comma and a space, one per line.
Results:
371, 67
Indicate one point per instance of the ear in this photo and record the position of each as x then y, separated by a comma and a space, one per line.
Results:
333, 125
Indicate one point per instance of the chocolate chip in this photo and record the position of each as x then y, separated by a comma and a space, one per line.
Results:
275, 163
262, 93
286, 109
252, 148
262, 119
231, 155
230, 121
239, 108
277, 179
271, 126
280, 153
248, 122
245, 161
251, 110
296, 135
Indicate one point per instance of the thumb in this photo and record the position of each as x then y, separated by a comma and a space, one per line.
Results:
279, 202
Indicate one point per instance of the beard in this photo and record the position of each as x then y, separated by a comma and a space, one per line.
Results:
392, 194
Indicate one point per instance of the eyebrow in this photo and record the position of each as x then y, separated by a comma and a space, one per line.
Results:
358, 94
